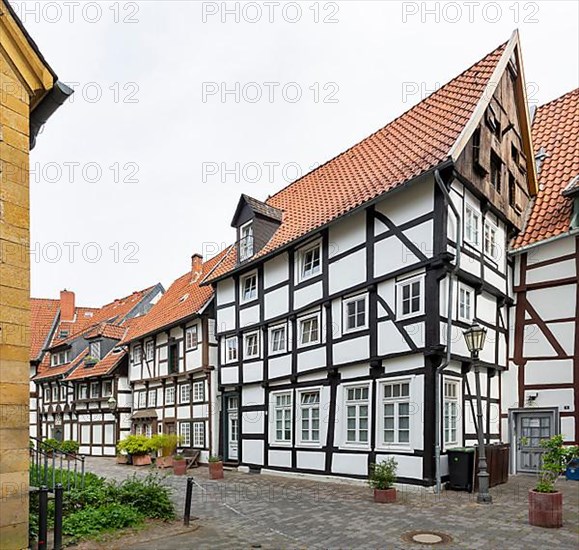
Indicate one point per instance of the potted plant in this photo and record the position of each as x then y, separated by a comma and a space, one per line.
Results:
165, 445
382, 477
139, 447
50, 445
215, 467
179, 465
70, 447
572, 461
90, 361
545, 502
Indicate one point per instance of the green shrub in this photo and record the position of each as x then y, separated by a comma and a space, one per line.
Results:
383, 475
92, 521
50, 444
147, 495
136, 445
553, 461
166, 443
69, 446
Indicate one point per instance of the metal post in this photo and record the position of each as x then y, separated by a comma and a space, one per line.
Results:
58, 491
483, 497
42, 517
188, 496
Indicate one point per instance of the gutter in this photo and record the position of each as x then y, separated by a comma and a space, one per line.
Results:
50, 103
437, 398
570, 233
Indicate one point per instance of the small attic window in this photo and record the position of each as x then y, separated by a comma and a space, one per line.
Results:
184, 297
493, 123
88, 314
246, 241
117, 349
63, 333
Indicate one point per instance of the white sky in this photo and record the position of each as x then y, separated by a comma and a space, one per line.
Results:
364, 61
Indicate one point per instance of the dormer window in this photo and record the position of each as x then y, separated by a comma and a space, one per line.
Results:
59, 358
94, 350
246, 241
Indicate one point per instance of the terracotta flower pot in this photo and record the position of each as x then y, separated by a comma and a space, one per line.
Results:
141, 460
385, 495
164, 462
216, 470
546, 509
122, 459
179, 467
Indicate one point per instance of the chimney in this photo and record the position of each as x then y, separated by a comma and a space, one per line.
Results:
67, 308
196, 266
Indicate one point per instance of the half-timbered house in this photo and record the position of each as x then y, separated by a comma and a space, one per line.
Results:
79, 369
333, 306
172, 361
541, 388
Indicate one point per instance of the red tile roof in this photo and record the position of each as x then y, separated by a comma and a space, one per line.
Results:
42, 318
556, 130
105, 366
414, 143
184, 298
107, 330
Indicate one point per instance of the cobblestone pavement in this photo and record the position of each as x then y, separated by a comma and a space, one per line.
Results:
265, 511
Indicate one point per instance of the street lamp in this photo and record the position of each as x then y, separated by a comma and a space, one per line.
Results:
475, 340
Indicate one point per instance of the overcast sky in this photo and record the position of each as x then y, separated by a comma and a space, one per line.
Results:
180, 106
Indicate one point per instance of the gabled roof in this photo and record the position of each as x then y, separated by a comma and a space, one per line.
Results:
43, 318
183, 299
556, 130
105, 366
428, 136
258, 207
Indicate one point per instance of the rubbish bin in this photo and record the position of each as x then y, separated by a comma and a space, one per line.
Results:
460, 468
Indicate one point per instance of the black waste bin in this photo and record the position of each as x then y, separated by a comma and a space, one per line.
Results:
461, 468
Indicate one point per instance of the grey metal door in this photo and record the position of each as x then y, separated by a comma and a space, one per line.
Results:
531, 428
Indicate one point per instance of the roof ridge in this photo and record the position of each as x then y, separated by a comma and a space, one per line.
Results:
422, 102
556, 99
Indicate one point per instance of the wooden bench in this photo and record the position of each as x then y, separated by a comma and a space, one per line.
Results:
192, 458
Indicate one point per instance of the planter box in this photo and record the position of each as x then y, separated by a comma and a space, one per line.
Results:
164, 462
141, 460
385, 495
179, 467
122, 459
546, 509
216, 470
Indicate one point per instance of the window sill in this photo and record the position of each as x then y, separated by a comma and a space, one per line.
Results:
353, 447
394, 447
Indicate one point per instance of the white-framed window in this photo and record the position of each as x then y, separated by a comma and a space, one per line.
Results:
148, 430
490, 241
356, 407
465, 304
185, 433
282, 417
191, 337
63, 393
310, 261
251, 345
309, 403
95, 389
137, 354
199, 391
47, 394
94, 350
142, 400
451, 393
277, 339
395, 396
248, 288
107, 388
471, 225
246, 241
150, 350
410, 297
170, 395
184, 394
59, 358
199, 434
355, 313
309, 330
83, 391
54, 393
54, 359
231, 349
152, 399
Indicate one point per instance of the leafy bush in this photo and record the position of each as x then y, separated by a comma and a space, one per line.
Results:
50, 444
166, 443
69, 446
553, 461
147, 495
92, 521
136, 445
383, 475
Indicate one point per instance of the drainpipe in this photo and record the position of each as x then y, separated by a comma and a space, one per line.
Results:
450, 288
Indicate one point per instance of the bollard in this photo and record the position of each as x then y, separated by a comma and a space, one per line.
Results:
58, 492
42, 517
188, 496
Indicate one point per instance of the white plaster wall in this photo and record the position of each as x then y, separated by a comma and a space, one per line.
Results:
252, 395
555, 371
249, 316
279, 366
311, 359
554, 303
311, 460
348, 271
225, 319
353, 464
348, 233
351, 350
225, 291
252, 451
276, 303
280, 458
276, 270
307, 294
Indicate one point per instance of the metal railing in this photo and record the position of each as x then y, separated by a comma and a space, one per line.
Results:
52, 466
